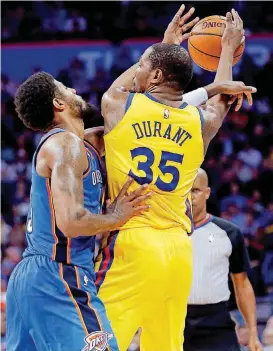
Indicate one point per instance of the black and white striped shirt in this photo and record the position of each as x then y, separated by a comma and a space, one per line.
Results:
218, 249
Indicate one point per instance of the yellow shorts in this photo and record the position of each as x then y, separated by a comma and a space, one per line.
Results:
144, 278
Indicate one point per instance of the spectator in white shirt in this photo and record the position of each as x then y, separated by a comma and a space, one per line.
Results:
250, 156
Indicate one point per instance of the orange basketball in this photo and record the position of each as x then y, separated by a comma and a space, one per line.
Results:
205, 43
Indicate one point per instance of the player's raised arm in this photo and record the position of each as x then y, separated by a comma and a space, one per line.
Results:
217, 107
174, 34
63, 155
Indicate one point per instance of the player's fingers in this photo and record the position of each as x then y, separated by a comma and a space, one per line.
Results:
141, 198
186, 16
239, 102
250, 89
235, 17
189, 25
232, 99
249, 98
228, 19
141, 209
243, 40
108, 202
137, 192
178, 14
125, 187
240, 20
186, 36
238, 23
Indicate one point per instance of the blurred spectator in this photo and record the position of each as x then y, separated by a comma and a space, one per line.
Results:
243, 172
13, 255
8, 87
6, 119
3, 329
20, 202
76, 23
100, 83
56, 20
78, 77
234, 197
250, 156
123, 61
5, 231
23, 166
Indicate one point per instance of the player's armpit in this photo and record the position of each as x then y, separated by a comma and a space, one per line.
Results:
94, 136
212, 123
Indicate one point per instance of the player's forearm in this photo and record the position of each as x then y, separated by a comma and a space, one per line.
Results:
247, 305
224, 70
83, 222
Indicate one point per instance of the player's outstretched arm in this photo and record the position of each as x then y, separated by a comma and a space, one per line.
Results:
119, 90
216, 108
174, 34
65, 157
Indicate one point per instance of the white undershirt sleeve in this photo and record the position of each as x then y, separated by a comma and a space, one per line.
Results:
196, 97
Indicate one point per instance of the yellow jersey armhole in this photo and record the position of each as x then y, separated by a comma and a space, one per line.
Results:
121, 122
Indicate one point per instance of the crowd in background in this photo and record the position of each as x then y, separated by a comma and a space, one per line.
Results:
114, 20
239, 161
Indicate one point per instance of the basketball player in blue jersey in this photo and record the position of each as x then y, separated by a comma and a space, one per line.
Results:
52, 303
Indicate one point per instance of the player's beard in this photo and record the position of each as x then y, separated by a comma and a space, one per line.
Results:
88, 112
83, 110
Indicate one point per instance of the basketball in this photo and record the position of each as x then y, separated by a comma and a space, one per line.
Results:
205, 43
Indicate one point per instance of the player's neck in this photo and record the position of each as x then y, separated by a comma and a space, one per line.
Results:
200, 217
74, 126
166, 95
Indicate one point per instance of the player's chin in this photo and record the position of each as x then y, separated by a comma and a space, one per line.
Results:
89, 111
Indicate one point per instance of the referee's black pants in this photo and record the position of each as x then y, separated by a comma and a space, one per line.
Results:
210, 328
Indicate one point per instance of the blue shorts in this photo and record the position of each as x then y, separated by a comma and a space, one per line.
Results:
54, 307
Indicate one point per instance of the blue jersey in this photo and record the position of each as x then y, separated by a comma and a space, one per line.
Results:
43, 235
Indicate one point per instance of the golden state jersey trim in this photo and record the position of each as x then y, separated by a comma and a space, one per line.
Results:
183, 105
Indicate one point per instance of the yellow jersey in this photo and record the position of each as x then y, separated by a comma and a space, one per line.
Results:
162, 146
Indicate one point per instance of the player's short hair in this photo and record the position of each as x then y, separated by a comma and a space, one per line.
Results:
34, 101
175, 63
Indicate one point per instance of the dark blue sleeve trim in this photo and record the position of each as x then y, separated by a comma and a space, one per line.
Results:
202, 119
129, 101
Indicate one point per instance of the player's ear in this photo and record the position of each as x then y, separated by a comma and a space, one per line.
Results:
58, 104
208, 191
157, 76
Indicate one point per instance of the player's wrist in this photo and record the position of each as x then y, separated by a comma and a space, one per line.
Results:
252, 330
112, 221
213, 89
228, 49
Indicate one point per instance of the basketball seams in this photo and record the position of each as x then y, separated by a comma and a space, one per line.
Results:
202, 33
202, 52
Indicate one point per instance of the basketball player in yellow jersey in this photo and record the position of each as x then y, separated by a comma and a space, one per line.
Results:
145, 273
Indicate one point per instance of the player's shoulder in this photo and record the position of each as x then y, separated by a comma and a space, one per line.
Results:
62, 139
114, 94
59, 145
230, 228
113, 103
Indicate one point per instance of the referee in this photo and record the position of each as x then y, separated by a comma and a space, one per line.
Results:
218, 249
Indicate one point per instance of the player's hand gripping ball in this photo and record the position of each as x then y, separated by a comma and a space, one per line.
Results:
205, 42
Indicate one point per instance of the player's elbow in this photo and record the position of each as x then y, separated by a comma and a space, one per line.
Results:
68, 228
